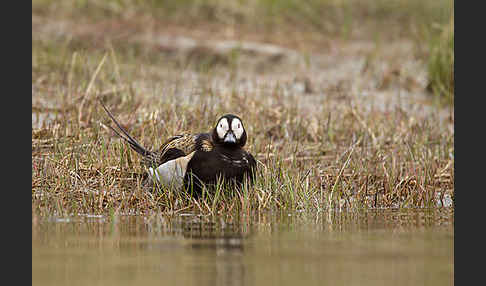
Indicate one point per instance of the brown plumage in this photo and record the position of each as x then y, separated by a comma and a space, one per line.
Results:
206, 156
183, 142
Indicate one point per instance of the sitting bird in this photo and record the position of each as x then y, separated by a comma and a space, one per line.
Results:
194, 160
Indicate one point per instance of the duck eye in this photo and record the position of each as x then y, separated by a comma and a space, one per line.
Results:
239, 125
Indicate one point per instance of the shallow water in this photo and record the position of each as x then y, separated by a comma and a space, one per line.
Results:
373, 247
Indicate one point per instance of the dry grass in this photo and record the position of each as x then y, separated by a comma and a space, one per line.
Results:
320, 146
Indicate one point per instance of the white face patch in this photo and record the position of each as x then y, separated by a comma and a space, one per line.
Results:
237, 128
222, 128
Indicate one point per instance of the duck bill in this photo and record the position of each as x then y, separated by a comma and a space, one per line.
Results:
229, 138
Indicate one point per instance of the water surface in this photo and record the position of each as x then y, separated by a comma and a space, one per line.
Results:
373, 247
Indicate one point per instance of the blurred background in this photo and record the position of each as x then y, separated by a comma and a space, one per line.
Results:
377, 47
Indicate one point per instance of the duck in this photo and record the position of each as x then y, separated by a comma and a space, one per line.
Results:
193, 161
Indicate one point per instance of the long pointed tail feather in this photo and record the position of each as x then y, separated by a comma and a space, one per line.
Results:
129, 139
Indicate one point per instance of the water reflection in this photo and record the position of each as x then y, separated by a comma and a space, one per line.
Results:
375, 247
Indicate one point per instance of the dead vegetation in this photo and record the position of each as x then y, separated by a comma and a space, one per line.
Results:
348, 128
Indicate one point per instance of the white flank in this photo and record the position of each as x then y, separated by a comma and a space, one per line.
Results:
171, 173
